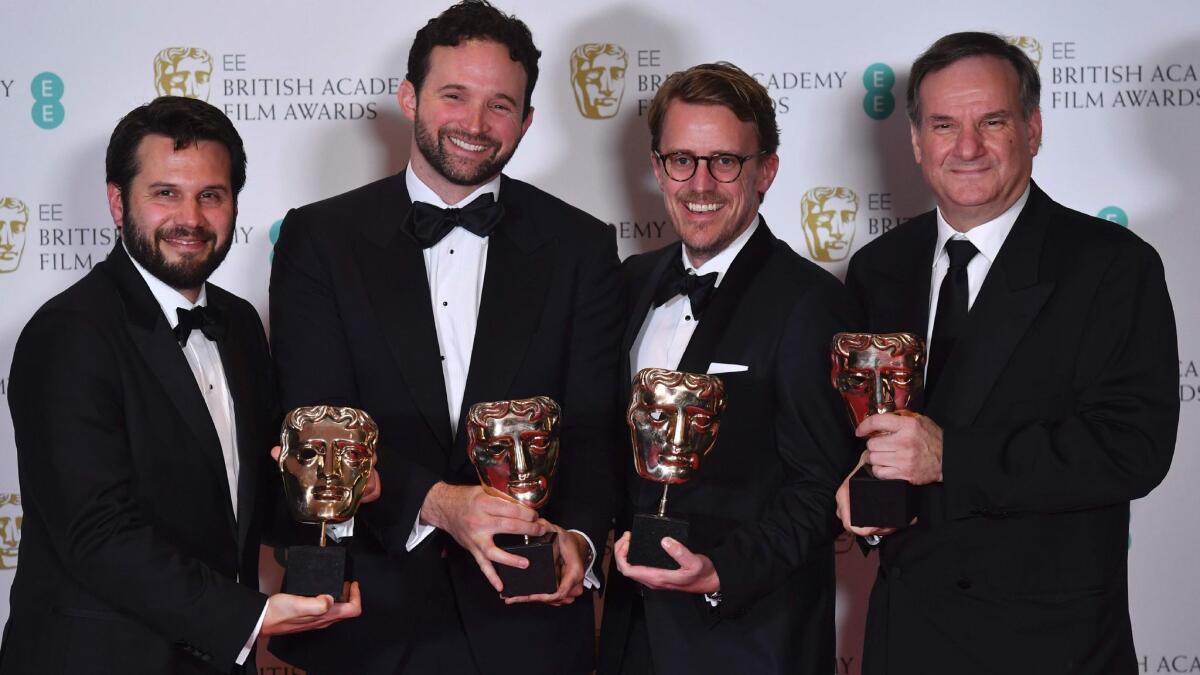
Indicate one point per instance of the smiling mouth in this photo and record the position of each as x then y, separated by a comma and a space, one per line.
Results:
703, 207
466, 145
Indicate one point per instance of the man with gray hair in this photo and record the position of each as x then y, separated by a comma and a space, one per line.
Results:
1050, 393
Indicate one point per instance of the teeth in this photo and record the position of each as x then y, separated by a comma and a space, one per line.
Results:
697, 207
467, 146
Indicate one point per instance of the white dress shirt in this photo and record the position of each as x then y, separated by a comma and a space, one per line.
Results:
987, 239
205, 361
668, 328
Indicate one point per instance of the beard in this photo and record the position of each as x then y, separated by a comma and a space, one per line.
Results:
189, 272
454, 169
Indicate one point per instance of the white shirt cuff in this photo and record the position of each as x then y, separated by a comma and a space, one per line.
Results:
338, 530
245, 653
419, 532
590, 580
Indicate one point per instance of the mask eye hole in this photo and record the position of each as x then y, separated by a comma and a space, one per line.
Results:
307, 454
657, 415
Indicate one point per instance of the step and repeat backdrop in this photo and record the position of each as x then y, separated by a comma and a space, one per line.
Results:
312, 88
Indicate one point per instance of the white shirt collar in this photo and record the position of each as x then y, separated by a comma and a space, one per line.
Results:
168, 298
418, 191
720, 262
988, 237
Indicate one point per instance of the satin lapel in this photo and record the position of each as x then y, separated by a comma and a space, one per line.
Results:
151, 335
1010, 298
393, 269
510, 308
239, 377
717, 318
641, 304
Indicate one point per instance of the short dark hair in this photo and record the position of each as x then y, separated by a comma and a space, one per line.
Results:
475, 20
183, 120
957, 46
721, 84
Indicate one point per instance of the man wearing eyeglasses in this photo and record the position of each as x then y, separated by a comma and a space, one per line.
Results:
754, 590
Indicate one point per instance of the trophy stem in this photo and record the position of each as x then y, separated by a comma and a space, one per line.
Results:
322, 534
662, 503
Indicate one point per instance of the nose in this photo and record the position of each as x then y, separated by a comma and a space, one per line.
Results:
968, 144
883, 401
190, 213
6, 237
520, 461
678, 429
473, 121
702, 180
606, 82
329, 463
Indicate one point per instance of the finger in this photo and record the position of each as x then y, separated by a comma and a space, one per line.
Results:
884, 422
891, 473
275, 453
678, 552
505, 509
489, 572
500, 556
512, 526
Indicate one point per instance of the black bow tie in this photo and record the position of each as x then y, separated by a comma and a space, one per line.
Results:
205, 319
678, 281
428, 224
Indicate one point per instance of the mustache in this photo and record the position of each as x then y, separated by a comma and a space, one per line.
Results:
706, 197
201, 233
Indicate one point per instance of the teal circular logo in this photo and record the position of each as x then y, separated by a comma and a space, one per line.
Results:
879, 79
1114, 213
273, 235
47, 111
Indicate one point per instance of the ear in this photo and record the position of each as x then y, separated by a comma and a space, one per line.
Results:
528, 120
1034, 125
115, 207
407, 96
915, 137
768, 167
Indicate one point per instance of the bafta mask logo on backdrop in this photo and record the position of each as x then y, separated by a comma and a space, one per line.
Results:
1031, 47
829, 215
598, 78
10, 530
14, 221
183, 71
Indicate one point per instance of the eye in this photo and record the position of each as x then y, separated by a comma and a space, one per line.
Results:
657, 415
681, 160
855, 381
723, 161
701, 422
306, 454
496, 450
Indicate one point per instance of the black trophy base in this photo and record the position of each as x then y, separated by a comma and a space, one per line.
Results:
315, 570
645, 541
875, 502
542, 574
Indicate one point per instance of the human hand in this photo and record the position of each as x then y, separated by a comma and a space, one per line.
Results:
287, 613
696, 573
571, 553
905, 447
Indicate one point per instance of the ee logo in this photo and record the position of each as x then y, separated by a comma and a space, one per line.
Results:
48, 111
879, 102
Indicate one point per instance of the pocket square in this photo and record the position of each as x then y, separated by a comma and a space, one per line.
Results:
715, 368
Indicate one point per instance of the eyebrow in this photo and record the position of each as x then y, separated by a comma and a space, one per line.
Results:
460, 87
166, 184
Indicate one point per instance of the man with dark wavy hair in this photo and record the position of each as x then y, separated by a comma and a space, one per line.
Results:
754, 590
429, 291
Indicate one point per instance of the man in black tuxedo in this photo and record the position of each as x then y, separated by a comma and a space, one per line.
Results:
754, 592
141, 400
1050, 392
422, 294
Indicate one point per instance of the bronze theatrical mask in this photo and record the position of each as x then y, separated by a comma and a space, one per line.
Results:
878, 373
327, 456
673, 422
514, 447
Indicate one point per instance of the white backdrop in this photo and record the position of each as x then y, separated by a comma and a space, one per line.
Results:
311, 89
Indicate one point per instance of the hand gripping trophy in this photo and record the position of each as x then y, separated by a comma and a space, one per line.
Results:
879, 373
673, 421
514, 448
326, 458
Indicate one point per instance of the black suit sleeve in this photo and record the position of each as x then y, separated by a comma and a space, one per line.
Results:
584, 494
817, 449
1116, 443
77, 475
315, 367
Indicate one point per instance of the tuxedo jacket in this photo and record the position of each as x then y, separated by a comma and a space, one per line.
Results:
761, 506
1058, 406
132, 559
352, 324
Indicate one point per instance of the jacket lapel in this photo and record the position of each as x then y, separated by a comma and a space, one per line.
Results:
1010, 298
394, 275
728, 297
151, 334
640, 305
510, 308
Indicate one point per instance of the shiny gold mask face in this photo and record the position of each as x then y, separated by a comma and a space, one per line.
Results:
878, 373
327, 457
673, 420
514, 447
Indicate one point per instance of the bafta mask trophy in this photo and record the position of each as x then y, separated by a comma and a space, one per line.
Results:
514, 447
673, 422
326, 458
879, 373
